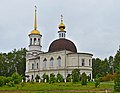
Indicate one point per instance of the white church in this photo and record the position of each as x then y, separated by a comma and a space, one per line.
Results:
62, 56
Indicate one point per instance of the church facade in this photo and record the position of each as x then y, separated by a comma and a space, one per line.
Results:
62, 56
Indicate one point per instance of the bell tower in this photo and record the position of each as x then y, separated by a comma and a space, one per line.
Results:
35, 36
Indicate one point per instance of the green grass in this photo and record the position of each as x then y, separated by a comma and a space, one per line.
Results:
59, 88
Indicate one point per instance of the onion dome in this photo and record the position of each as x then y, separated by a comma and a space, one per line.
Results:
35, 31
62, 44
61, 25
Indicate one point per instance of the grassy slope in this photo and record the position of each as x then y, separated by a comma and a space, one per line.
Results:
59, 87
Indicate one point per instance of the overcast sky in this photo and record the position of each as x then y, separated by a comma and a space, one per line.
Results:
93, 25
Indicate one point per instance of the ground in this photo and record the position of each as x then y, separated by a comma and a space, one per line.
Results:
105, 87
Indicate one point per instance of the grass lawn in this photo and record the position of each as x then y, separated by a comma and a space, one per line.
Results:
58, 87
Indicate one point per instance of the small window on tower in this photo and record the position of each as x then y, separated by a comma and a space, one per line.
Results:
32, 66
34, 41
30, 41
89, 62
37, 65
39, 40
83, 62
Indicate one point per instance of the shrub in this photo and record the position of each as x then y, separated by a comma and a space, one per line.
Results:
59, 78
16, 78
76, 75
11, 84
84, 79
45, 77
69, 77
52, 78
1, 81
117, 80
97, 82
108, 77
37, 78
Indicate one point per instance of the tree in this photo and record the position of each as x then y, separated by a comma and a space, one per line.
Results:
59, 78
84, 79
111, 60
116, 61
76, 75
117, 80
11, 62
52, 78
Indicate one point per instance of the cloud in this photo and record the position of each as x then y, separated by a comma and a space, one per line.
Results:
92, 24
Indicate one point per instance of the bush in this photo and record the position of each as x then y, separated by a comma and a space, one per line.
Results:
52, 78
11, 84
8, 79
59, 78
1, 81
16, 78
45, 77
76, 75
84, 79
97, 82
69, 78
37, 78
117, 80
108, 77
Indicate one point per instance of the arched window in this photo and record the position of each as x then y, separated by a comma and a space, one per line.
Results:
32, 65
34, 41
59, 61
51, 62
37, 65
39, 41
32, 77
44, 63
83, 62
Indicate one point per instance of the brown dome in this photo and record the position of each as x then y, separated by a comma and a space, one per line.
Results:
62, 44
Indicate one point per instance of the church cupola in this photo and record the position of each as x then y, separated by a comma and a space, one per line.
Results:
35, 36
61, 29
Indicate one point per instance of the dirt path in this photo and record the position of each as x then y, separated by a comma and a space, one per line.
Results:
65, 91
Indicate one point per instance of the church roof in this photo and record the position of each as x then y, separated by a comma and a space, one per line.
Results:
62, 44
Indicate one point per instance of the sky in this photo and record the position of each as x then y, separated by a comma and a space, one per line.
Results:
93, 25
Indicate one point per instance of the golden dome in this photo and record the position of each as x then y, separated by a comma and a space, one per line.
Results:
34, 32
61, 25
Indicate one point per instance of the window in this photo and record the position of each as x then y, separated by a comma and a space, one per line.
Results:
62, 34
89, 62
59, 35
32, 77
34, 41
39, 41
59, 61
37, 65
83, 62
32, 66
51, 62
44, 63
